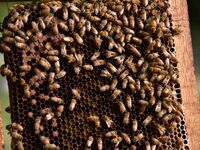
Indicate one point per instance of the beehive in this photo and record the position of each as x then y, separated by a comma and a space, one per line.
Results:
71, 65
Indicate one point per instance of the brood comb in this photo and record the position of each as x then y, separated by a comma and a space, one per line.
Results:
93, 75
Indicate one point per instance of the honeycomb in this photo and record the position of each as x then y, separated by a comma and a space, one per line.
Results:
93, 75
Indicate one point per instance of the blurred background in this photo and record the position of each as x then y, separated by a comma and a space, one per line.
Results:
195, 32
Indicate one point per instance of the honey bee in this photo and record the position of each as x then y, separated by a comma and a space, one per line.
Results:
134, 50
95, 120
110, 54
88, 67
51, 77
108, 121
94, 30
156, 141
105, 73
79, 59
158, 107
78, 38
57, 100
75, 17
138, 137
129, 102
116, 140
131, 21
9, 40
161, 113
116, 93
4, 47
104, 34
44, 140
109, 26
61, 74
72, 104
120, 59
134, 125
132, 87
168, 117
89, 141
126, 118
53, 53
55, 28
50, 147
77, 69
109, 17
144, 67
95, 56
104, 88
133, 147
8, 109
143, 15
75, 9
7, 32
98, 41
49, 116
147, 120
99, 62
131, 80
20, 145
76, 94
27, 90
45, 64
124, 74
53, 58
71, 23
12, 27
63, 26
124, 83
41, 23
70, 58
88, 26
164, 139
34, 26
126, 138
167, 106
65, 14
160, 129
143, 104
122, 107
17, 126
45, 111
129, 31
114, 84
5, 71
140, 24
60, 110
111, 134
176, 30
19, 39
54, 86
99, 143
103, 24
68, 39
125, 20
15, 135
111, 67
148, 146
20, 45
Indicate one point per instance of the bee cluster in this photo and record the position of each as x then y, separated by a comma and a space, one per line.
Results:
93, 75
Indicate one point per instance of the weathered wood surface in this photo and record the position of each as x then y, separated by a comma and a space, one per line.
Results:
187, 73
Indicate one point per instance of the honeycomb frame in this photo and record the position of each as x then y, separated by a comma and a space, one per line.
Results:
72, 129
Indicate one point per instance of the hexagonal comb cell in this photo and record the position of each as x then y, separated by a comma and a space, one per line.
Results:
93, 75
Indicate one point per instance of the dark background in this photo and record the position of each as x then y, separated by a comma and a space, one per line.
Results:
194, 13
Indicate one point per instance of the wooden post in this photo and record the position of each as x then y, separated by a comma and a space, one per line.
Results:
187, 76
1, 129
